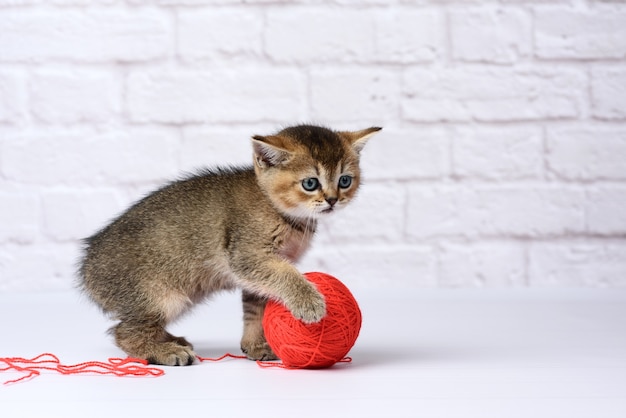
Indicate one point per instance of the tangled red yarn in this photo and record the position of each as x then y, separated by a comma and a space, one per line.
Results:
49, 362
317, 345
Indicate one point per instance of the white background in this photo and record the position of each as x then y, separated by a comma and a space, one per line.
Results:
502, 162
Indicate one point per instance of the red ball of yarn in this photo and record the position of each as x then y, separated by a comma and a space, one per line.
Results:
317, 345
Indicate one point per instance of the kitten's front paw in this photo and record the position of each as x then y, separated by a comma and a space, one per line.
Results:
309, 306
171, 354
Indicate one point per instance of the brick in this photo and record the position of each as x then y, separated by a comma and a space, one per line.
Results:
497, 153
376, 214
375, 267
40, 267
587, 153
77, 96
608, 93
214, 34
85, 36
491, 94
487, 264
589, 34
432, 212
354, 95
296, 35
606, 210
506, 211
71, 215
234, 95
11, 97
500, 36
409, 36
587, 264
84, 157
19, 216
406, 155
528, 212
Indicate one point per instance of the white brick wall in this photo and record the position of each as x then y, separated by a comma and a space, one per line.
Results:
502, 162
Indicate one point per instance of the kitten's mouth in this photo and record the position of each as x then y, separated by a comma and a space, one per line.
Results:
328, 210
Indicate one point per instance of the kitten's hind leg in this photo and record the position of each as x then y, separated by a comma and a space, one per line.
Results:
148, 340
253, 342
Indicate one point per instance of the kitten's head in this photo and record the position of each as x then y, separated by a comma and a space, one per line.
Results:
308, 171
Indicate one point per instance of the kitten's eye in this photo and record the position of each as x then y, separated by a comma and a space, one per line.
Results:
345, 181
310, 184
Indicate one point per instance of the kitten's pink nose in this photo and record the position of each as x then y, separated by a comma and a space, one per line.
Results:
331, 201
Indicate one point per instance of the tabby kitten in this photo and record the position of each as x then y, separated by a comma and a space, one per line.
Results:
222, 229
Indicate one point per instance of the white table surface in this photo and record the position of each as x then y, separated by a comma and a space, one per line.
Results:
421, 353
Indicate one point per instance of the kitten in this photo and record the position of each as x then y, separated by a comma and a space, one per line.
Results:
222, 229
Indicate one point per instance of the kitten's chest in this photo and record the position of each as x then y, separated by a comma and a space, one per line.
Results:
292, 243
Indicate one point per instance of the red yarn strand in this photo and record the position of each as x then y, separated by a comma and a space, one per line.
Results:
227, 355
121, 367
262, 363
115, 366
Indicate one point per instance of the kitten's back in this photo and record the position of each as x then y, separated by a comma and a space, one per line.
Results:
172, 233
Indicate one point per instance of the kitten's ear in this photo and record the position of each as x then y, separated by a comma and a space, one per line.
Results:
269, 151
358, 139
